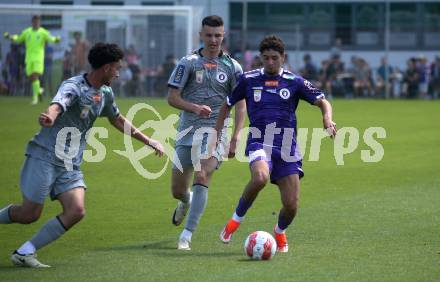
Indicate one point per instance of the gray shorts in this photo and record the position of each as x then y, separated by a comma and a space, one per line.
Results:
188, 155
40, 178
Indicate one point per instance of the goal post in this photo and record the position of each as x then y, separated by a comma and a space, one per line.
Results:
155, 32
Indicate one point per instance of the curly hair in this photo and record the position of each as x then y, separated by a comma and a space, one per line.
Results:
104, 53
272, 42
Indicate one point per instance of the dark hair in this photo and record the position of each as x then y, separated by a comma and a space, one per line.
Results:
272, 42
35, 17
213, 21
104, 53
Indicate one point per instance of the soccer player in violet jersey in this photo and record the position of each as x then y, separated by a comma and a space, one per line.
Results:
79, 102
35, 39
272, 95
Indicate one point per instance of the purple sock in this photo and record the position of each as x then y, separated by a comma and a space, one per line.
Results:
242, 207
283, 223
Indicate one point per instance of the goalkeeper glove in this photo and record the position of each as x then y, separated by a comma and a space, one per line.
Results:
6, 35
57, 39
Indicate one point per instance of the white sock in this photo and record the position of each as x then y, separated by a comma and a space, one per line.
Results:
278, 230
26, 249
237, 218
186, 234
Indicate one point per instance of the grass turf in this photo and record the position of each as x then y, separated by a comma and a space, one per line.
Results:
357, 222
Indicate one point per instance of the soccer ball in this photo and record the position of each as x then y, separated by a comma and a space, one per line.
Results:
260, 245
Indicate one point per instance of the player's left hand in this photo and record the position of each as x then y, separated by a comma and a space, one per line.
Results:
45, 120
232, 148
6, 35
157, 146
330, 127
57, 39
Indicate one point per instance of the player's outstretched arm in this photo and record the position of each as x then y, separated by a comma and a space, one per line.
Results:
14, 37
123, 125
47, 118
240, 114
327, 116
53, 39
175, 100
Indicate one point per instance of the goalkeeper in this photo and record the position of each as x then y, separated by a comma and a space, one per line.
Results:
35, 39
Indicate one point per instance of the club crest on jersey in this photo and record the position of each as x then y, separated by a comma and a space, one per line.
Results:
85, 112
257, 95
199, 76
221, 77
285, 93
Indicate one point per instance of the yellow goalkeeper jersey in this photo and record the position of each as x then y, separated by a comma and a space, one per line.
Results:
35, 41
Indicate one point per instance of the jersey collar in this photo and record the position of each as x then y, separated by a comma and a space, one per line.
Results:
280, 73
200, 53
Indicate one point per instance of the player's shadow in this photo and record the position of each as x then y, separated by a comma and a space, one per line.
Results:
159, 245
164, 248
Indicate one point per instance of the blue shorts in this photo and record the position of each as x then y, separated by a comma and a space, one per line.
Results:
40, 178
278, 166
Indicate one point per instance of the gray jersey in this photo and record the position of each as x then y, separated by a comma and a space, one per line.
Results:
81, 104
204, 81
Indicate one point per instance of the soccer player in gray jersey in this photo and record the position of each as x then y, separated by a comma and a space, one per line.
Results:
198, 86
74, 109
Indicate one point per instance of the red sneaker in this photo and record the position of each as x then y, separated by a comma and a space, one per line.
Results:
282, 245
230, 227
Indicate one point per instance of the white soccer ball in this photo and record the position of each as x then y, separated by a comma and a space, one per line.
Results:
260, 245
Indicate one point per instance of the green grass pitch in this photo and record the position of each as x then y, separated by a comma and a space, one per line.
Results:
357, 222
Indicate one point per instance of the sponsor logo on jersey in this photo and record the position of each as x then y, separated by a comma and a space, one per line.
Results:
288, 76
179, 74
308, 84
210, 65
97, 98
271, 83
257, 95
251, 74
199, 76
285, 93
221, 77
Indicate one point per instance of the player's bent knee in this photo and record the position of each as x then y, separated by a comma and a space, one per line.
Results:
77, 213
260, 179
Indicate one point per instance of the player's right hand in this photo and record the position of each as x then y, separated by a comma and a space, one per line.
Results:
6, 35
57, 39
45, 120
157, 146
203, 111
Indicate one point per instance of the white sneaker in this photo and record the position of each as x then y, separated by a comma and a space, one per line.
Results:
181, 210
184, 244
29, 260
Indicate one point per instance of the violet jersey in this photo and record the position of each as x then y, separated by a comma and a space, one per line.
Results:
271, 104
